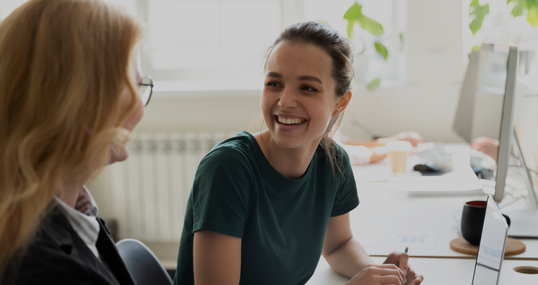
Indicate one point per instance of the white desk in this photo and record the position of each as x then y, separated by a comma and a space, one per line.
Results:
437, 271
385, 210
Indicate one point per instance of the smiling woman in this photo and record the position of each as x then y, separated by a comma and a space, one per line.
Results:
323, 66
264, 207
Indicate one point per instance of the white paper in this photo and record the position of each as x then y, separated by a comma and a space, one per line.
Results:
400, 238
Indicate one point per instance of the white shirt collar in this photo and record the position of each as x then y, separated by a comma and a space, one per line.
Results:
85, 225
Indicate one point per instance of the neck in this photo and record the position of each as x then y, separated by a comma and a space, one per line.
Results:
70, 193
290, 163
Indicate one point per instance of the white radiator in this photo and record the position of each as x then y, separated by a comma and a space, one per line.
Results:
151, 188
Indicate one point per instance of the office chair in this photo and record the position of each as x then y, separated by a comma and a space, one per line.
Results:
143, 265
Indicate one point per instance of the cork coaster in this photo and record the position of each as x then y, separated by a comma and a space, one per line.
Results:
513, 246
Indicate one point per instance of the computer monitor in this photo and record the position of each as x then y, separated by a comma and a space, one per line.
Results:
492, 245
486, 103
506, 126
464, 113
525, 146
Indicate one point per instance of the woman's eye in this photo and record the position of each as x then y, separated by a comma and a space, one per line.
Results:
309, 88
272, 84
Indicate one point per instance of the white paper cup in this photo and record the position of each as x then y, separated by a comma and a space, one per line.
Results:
398, 152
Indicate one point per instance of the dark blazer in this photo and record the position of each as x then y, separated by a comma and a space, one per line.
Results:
59, 256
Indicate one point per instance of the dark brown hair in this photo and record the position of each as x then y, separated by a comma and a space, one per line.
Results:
340, 50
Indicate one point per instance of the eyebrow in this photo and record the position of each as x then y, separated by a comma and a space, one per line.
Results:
309, 78
300, 78
274, 74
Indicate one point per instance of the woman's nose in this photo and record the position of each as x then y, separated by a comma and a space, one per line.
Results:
287, 99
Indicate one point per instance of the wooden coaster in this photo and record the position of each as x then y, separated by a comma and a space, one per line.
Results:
513, 246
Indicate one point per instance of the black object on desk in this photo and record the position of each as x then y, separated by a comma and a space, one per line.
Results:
428, 169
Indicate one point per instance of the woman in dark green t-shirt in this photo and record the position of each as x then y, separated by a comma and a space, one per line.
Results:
264, 207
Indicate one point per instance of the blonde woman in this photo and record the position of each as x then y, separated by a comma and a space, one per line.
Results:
70, 93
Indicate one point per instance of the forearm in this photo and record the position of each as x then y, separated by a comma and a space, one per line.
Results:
379, 153
366, 143
348, 259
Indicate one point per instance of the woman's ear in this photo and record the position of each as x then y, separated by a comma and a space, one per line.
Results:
342, 103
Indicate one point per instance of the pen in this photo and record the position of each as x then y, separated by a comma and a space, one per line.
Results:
406, 249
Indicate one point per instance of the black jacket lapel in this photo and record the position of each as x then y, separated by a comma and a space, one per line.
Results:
109, 254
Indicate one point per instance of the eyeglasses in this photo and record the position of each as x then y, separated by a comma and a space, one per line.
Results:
145, 89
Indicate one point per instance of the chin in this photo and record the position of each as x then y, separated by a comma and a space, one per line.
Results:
289, 142
120, 156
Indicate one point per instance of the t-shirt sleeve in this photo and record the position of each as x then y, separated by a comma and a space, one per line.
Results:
347, 197
221, 193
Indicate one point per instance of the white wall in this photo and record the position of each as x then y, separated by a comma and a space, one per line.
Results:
200, 111
435, 69
426, 104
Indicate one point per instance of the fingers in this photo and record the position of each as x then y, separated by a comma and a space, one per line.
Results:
400, 259
387, 274
418, 280
403, 260
412, 137
411, 276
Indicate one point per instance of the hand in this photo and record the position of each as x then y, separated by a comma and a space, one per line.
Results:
401, 260
486, 145
374, 274
83, 202
412, 137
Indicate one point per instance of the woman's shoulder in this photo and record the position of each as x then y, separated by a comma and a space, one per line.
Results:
240, 148
50, 255
336, 151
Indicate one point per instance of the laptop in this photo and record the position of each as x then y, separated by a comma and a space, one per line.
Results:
492, 244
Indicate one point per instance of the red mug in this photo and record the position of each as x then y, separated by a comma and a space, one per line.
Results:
472, 221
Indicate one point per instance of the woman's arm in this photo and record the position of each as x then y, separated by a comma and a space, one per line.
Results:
343, 253
217, 258
347, 257
412, 137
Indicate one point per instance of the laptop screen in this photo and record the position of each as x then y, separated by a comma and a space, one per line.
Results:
491, 249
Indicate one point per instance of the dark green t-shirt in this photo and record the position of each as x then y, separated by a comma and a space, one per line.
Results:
282, 222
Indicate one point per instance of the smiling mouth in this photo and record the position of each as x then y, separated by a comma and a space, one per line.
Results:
289, 121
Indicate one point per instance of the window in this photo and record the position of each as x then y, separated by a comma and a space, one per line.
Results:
204, 42
499, 25
208, 41
369, 64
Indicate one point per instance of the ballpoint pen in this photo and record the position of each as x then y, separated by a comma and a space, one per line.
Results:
406, 249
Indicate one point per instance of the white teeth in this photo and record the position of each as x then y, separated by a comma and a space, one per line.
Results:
289, 121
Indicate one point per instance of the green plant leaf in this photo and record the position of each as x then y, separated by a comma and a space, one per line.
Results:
370, 25
381, 49
479, 13
532, 16
350, 29
519, 5
353, 12
352, 17
373, 84
476, 48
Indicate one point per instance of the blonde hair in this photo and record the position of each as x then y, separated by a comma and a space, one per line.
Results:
63, 67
